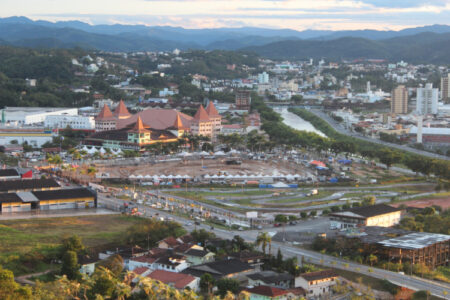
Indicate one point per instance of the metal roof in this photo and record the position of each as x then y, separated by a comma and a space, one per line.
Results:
416, 240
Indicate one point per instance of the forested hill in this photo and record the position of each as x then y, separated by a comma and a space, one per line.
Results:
420, 48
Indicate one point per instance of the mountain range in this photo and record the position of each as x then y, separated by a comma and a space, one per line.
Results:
420, 44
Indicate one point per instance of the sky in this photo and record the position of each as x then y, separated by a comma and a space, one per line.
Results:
293, 14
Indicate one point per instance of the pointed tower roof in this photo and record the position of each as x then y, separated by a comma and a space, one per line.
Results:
201, 114
105, 114
121, 111
139, 126
211, 110
178, 123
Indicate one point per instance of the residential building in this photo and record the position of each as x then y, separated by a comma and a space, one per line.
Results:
196, 256
317, 284
229, 129
178, 281
227, 268
169, 243
445, 88
87, 264
263, 292
399, 100
243, 100
263, 78
374, 215
427, 100
32, 136
271, 278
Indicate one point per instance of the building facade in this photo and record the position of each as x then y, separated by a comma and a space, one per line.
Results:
427, 100
374, 215
399, 101
243, 100
74, 122
445, 88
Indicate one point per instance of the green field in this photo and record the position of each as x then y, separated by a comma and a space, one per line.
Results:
21, 241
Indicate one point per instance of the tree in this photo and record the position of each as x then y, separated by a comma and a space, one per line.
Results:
372, 259
420, 295
281, 218
313, 213
225, 285
369, 200
114, 263
70, 266
73, 243
263, 239
206, 283
388, 157
201, 236
303, 215
9, 289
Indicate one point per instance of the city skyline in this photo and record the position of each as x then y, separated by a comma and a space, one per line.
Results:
297, 15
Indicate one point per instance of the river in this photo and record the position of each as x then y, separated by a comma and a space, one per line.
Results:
295, 121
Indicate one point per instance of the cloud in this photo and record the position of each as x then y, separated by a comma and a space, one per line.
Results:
405, 3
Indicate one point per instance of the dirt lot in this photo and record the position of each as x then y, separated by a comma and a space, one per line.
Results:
197, 168
443, 202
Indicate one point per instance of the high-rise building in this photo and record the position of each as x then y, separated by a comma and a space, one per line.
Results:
445, 88
263, 78
399, 100
243, 100
427, 100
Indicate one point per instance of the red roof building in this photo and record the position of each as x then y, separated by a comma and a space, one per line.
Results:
268, 291
177, 280
105, 120
121, 111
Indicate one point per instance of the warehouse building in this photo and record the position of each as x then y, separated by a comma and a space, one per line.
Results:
47, 200
374, 215
9, 174
28, 185
19, 116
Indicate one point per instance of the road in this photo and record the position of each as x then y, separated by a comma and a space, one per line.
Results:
339, 128
412, 282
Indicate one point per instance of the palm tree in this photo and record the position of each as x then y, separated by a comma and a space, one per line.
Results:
264, 239
372, 259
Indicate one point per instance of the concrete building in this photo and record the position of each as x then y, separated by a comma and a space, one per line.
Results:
176, 280
374, 215
263, 78
399, 101
445, 88
243, 100
427, 100
19, 116
105, 120
215, 118
74, 122
201, 124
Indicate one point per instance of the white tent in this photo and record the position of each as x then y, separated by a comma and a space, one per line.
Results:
178, 176
186, 176
92, 150
230, 176
147, 176
139, 176
85, 148
207, 176
215, 176
218, 153
280, 185
204, 153
184, 153
162, 176
234, 151
155, 177
132, 176
102, 150
170, 176
222, 176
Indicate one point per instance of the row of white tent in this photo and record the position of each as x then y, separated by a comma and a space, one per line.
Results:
158, 177
204, 153
100, 150
259, 176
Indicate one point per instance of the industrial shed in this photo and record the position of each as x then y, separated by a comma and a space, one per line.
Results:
47, 200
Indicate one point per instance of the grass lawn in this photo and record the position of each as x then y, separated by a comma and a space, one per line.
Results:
20, 237
237, 193
320, 195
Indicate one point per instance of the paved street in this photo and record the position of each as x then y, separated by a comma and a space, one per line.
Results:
338, 127
412, 282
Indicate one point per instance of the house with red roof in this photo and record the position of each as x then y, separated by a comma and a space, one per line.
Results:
105, 120
179, 281
265, 292
317, 284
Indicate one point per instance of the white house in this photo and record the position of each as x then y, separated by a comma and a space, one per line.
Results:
317, 283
